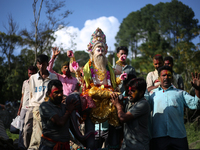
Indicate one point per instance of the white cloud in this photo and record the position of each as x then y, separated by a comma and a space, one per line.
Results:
109, 25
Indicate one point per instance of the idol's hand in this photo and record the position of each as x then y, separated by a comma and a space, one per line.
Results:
123, 58
70, 53
75, 65
123, 76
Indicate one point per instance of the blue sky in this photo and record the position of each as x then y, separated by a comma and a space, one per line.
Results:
87, 16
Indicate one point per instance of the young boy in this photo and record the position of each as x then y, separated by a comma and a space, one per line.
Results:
69, 83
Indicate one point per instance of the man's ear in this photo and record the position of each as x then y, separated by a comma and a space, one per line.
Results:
159, 78
118, 55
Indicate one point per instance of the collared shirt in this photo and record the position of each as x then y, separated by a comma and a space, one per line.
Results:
25, 91
38, 88
50, 129
168, 111
152, 78
69, 84
129, 70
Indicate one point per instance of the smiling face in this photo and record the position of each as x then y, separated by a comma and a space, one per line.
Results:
165, 79
56, 95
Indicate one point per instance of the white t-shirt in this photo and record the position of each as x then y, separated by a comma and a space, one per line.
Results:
25, 91
38, 88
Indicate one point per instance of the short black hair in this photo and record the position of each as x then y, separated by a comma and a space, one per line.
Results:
42, 58
32, 68
122, 48
139, 83
169, 58
164, 68
129, 78
55, 82
158, 57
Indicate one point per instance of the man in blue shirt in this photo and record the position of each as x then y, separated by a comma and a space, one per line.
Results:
167, 105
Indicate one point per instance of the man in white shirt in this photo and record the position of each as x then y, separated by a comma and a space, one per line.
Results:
38, 88
23, 108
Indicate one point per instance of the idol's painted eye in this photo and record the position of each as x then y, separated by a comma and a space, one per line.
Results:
100, 49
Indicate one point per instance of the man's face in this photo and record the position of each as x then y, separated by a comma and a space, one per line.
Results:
157, 63
31, 72
56, 94
42, 66
121, 53
165, 78
168, 63
65, 70
133, 93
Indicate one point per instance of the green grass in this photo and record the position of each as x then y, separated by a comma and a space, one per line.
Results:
193, 135
12, 136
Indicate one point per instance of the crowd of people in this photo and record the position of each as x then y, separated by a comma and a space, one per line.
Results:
114, 108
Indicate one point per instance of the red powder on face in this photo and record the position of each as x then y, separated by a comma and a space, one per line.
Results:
64, 72
157, 61
53, 90
132, 88
166, 72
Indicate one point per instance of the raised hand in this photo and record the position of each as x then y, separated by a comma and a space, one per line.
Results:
195, 81
55, 52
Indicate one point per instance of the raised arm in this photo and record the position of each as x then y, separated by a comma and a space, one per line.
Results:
56, 52
196, 83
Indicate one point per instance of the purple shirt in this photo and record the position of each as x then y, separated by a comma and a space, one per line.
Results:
69, 84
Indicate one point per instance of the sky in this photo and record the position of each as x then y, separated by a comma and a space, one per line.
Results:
86, 17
